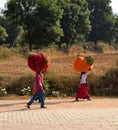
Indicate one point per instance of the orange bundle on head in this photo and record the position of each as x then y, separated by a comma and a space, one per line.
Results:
39, 60
83, 64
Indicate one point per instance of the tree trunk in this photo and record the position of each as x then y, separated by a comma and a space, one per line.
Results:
30, 46
67, 45
95, 43
59, 45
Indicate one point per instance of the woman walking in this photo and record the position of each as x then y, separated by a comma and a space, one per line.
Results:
83, 91
38, 90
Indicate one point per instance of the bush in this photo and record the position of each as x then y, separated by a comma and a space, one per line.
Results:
95, 86
18, 84
22, 85
8, 53
104, 46
105, 85
4, 81
3, 92
110, 82
26, 91
47, 87
117, 62
62, 85
5, 53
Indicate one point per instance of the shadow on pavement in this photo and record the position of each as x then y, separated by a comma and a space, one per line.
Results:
13, 105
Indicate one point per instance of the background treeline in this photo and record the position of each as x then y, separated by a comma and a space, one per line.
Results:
39, 23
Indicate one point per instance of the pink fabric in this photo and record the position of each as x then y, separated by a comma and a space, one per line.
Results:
83, 91
38, 85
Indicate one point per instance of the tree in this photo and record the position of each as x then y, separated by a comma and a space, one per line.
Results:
40, 20
75, 21
11, 29
116, 29
102, 21
3, 33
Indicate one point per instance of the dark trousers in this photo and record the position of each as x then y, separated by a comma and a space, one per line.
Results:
41, 97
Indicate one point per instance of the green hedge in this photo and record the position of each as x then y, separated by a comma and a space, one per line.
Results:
106, 85
60, 85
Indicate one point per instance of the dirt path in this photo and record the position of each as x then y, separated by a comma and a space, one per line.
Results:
61, 104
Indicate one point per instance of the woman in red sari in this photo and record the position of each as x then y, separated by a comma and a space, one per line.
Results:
83, 91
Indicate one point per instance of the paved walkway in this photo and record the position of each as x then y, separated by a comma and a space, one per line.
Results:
60, 114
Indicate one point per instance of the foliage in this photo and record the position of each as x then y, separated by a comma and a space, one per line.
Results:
61, 85
117, 62
3, 92
12, 31
110, 82
4, 54
105, 85
24, 51
61, 80
75, 21
40, 23
8, 54
3, 33
102, 21
26, 91
89, 60
55, 93
47, 86
116, 29
95, 86
21, 83
58, 85
39, 19
99, 48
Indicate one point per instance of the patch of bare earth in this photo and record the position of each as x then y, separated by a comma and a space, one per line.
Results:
60, 104
61, 65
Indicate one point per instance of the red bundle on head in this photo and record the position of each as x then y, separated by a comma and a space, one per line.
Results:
39, 60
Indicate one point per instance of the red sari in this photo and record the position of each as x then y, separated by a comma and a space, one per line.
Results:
83, 91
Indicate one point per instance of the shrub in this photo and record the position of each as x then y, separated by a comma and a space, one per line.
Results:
47, 86
22, 85
5, 53
104, 46
105, 85
89, 60
24, 51
18, 84
98, 49
117, 62
62, 85
4, 81
8, 53
56, 93
26, 91
3, 92
110, 82
95, 86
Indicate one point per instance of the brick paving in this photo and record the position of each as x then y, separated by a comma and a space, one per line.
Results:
60, 114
